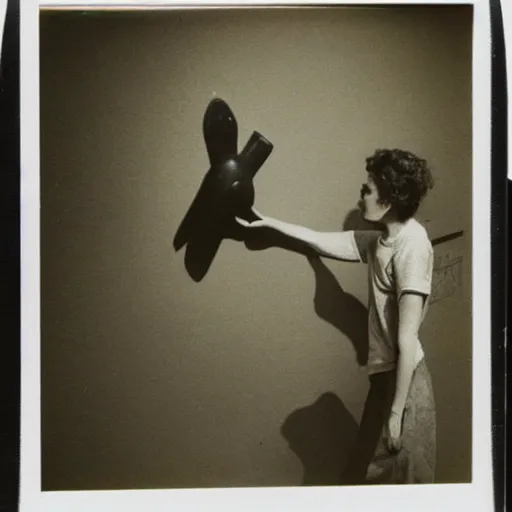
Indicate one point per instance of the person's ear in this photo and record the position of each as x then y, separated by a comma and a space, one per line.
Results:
387, 209
385, 205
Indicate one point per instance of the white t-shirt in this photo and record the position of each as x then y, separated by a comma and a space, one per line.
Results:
395, 266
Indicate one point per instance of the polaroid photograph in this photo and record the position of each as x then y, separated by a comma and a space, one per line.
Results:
256, 256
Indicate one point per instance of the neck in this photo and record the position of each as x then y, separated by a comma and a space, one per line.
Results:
393, 227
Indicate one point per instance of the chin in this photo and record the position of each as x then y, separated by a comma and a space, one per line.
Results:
368, 218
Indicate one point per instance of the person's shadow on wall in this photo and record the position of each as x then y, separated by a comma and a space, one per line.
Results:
331, 302
340, 309
323, 434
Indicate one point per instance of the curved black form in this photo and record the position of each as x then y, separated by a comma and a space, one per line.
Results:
226, 190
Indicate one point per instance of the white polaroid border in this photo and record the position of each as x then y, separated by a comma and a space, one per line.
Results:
475, 496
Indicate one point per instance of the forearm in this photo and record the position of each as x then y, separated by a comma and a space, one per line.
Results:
294, 231
404, 372
339, 245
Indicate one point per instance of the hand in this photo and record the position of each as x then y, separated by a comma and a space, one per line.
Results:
260, 222
394, 431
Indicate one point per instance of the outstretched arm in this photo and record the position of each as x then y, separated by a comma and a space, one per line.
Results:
340, 245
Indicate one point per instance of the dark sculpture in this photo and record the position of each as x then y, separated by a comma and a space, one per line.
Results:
226, 190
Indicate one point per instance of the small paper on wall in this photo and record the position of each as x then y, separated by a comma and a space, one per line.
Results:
448, 269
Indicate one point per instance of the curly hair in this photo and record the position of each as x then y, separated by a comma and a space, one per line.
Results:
402, 180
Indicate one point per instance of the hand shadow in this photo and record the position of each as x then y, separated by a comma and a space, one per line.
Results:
200, 232
264, 238
321, 435
202, 248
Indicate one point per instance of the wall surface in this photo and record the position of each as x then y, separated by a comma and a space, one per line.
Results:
250, 376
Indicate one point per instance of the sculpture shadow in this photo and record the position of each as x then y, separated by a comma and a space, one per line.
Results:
203, 233
321, 435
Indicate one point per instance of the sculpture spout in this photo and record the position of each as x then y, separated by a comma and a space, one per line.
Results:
255, 153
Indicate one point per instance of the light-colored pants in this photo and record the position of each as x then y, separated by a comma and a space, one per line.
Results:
372, 462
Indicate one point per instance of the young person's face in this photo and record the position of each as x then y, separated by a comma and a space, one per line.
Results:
371, 207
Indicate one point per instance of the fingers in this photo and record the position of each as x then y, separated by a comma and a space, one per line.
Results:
257, 222
243, 222
393, 434
394, 445
248, 224
396, 441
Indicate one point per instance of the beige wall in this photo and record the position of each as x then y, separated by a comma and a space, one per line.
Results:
152, 380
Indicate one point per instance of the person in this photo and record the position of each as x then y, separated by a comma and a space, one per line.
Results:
396, 437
